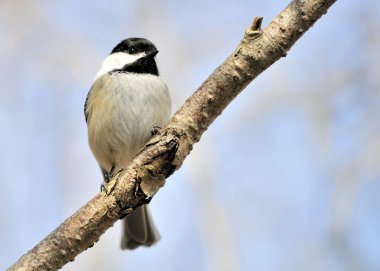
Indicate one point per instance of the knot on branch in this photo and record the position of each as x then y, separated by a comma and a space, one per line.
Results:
150, 180
250, 45
162, 161
254, 31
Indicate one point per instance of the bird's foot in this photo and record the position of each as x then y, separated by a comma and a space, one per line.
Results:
156, 130
107, 178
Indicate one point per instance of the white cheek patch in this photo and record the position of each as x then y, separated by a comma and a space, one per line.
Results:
116, 61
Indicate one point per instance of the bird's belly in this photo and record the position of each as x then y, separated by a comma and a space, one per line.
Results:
123, 123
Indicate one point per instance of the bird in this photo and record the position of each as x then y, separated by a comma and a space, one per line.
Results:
126, 102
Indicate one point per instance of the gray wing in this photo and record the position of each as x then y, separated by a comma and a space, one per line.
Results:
86, 103
99, 83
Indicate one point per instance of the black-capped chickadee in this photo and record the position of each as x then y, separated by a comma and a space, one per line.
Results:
126, 101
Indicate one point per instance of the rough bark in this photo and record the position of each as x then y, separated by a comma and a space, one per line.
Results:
165, 152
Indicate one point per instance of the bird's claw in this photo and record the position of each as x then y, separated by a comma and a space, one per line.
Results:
107, 178
155, 130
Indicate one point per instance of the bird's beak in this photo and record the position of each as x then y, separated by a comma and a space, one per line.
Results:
152, 53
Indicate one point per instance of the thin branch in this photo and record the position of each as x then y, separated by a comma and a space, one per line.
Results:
165, 152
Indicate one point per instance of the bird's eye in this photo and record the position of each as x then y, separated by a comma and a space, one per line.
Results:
132, 50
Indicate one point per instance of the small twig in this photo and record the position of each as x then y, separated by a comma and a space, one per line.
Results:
256, 24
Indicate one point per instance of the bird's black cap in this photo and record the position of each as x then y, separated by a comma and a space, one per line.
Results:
134, 46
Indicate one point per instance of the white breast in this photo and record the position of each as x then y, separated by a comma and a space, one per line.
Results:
123, 108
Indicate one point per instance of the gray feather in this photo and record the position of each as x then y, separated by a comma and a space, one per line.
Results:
139, 229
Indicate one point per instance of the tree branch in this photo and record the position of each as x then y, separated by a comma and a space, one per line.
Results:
165, 152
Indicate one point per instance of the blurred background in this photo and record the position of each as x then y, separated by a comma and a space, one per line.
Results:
287, 178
